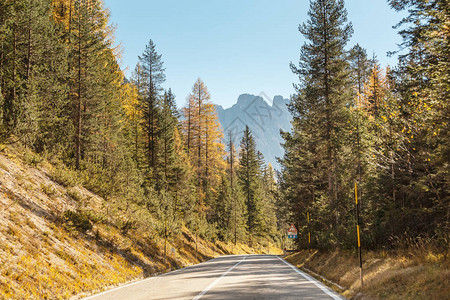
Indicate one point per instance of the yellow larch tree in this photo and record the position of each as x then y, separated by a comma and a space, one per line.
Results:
203, 137
374, 90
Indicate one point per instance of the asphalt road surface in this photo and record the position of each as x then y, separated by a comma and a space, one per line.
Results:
227, 277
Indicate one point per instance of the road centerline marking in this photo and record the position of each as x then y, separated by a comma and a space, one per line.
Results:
217, 280
312, 280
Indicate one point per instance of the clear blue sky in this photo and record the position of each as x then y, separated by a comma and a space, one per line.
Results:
236, 46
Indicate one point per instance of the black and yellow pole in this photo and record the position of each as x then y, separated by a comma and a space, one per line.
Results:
309, 233
165, 239
196, 251
358, 234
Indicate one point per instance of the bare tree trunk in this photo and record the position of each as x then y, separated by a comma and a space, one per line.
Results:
79, 100
199, 137
206, 152
2, 87
152, 120
232, 185
28, 66
11, 102
189, 129
165, 151
136, 124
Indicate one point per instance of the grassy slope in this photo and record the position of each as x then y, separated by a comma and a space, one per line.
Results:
416, 273
41, 258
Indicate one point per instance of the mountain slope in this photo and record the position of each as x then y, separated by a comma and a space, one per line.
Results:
58, 239
264, 120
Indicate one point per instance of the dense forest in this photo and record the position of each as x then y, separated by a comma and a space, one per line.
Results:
64, 96
356, 123
383, 130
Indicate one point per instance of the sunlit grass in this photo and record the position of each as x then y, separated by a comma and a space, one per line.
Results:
411, 273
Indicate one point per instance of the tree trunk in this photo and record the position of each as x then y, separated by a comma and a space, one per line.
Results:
199, 137
78, 104
189, 129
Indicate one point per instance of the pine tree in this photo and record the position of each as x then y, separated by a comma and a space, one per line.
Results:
30, 71
232, 179
131, 102
268, 211
12, 15
360, 71
320, 107
248, 175
152, 78
360, 66
167, 125
421, 83
223, 211
375, 89
230, 204
182, 180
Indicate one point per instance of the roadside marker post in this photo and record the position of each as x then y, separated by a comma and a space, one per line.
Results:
309, 234
165, 239
196, 251
358, 235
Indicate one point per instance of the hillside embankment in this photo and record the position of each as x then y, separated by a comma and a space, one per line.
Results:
57, 240
414, 273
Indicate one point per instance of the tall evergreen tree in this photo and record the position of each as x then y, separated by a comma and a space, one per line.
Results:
421, 83
248, 175
167, 125
269, 189
30, 60
360, 71
152, 78
320, 108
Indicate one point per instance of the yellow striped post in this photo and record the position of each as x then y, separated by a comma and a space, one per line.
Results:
358, 234
309, 234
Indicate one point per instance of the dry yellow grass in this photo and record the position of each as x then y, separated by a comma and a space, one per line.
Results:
408, 274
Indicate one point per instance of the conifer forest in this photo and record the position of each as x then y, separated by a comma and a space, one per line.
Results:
383, 130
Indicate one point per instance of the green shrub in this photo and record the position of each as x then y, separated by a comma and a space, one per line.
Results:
64, 176
77, 220
31, 158
48, 190
75, 195
97, 180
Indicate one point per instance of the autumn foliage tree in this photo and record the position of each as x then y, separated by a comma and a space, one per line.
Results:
203, 139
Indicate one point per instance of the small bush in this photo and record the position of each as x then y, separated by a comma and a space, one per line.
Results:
48, 190
31, 158
64, 176
76, 195
77, 219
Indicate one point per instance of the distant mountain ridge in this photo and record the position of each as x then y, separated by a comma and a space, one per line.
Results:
264, 116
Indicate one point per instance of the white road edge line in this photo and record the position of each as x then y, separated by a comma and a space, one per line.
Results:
313, 280
141, 281
217, 280
118, 288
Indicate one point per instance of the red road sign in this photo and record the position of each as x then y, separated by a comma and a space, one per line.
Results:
292, 229
292, 232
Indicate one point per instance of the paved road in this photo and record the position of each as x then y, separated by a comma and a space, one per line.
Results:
227, 277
